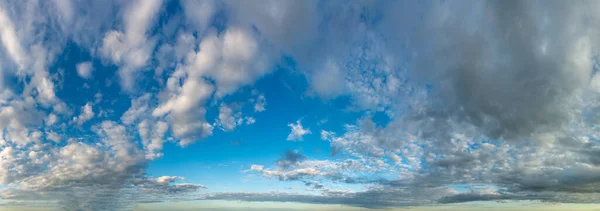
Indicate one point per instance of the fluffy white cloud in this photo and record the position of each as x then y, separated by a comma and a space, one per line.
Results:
86, 114
184, 108
153, 136
328, 81
85, 69
139, 109
297, 131
250, 120
260, 104
131, 48
227, 119
51, 119
53, 137
233, 59
230, 117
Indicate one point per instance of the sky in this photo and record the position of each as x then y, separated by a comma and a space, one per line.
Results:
299, 105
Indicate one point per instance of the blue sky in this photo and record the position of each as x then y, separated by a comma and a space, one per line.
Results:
296, 105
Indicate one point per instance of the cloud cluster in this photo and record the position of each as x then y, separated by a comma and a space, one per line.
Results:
297, 131
131, 48
229, 120
494, 93
500, 94
85, 69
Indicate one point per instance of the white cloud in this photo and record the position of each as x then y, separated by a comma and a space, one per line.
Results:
66, 10
139, 109
184, 108
89, 170
78, 167
17, 117
97, 97
260, 104
11, 41
514, 110
164, 180
297, 131
230, 116
51, 119
7, 155
53, 137
35, 66
131, 48
199, 13
227, 118
85, 69
250, 120
233, 59
153, 137
328, 81
86, 114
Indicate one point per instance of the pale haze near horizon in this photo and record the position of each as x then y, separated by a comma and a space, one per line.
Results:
290, 206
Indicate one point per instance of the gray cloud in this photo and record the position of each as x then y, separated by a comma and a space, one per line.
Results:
289, 158
468, 197
374, 198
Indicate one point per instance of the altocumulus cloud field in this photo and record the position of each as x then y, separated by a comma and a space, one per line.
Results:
299, 105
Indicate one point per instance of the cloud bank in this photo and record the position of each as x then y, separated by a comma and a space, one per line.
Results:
493, 100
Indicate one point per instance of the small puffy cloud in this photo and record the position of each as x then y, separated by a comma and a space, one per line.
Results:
97, 97
85, 69
53, 137
250, 120
230, 116
86, 114
51, 119
297, 131
164, 180
228, 119
260, 104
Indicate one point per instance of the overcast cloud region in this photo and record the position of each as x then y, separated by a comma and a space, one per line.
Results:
299, 104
